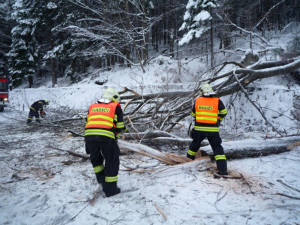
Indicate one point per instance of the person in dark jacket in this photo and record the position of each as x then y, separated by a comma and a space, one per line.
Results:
37, 110
104, 125
208, 112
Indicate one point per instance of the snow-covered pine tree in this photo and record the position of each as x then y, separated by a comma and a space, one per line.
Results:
196, 19
5, 34
53, 14
24, 45
197, 22
33, 37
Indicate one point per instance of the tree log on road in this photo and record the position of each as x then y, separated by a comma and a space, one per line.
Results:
168, 158
233, 149
256, 148
160, 138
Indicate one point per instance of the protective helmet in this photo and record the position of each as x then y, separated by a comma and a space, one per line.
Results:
111, 94
206, 90
46, 102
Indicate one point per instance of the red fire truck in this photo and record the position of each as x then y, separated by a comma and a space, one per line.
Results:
3, 92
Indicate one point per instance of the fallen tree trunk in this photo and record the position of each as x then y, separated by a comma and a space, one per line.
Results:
169, 95
149, 135
168, 158
233, 149
255, 148
160, 139
256, 152
200, 164
247, 76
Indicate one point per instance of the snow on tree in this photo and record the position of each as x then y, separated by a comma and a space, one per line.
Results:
5, 34
111, 29
196, 19
33, 37
24, 45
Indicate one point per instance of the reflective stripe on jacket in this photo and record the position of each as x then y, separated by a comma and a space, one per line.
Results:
206, 110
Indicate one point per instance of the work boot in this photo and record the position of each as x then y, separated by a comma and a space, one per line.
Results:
222, 166
222, 172
111, 189
190, 156
100, 178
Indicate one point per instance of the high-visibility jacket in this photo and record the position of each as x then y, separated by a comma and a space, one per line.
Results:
206, 110
102, 119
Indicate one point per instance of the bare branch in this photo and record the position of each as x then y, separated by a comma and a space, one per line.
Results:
258, 109
265, 16
288, 196
295, 189
70, 152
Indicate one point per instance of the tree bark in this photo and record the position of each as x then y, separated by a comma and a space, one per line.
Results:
212, 58
53, 70
255, 148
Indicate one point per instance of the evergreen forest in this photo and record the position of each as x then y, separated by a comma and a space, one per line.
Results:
66, 38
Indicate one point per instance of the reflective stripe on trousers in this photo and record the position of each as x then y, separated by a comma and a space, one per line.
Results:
111, 179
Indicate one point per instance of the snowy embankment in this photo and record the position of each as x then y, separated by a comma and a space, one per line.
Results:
77, 97
72, 97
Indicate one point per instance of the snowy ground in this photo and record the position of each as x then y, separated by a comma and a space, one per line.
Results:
41, 185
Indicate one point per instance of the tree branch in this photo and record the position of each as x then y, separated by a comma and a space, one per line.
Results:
258, 109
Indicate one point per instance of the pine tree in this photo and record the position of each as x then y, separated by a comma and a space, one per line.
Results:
52, 15
74, 46
196, 19
5, 35
24, 45
33, 38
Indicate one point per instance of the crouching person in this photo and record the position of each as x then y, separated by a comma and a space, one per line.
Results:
36, 110
104, 125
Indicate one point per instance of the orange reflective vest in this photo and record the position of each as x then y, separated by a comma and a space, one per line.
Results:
207, 109
102, 116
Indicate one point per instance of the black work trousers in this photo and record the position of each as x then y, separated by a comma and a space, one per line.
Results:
33, 113
215, 142
105, 151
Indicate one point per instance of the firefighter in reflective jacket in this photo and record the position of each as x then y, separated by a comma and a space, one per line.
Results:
36, 109
208, 112
104, 125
